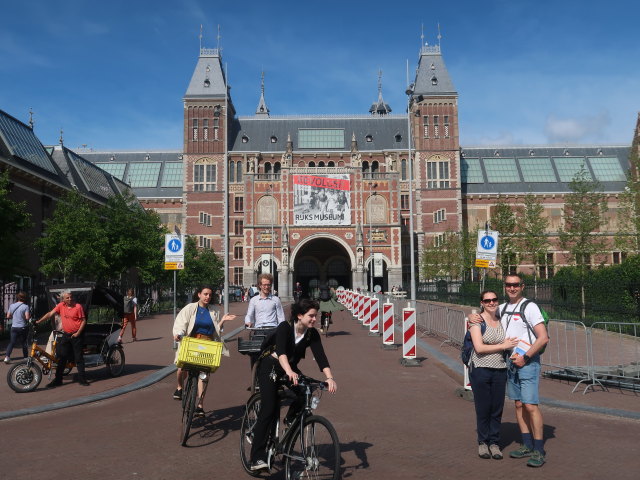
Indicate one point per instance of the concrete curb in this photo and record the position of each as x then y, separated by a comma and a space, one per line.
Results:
143, 383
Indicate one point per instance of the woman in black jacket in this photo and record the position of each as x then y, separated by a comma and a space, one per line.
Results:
288, 347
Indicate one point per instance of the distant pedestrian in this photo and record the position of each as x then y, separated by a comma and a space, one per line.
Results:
130, 314
297, 292
19, 314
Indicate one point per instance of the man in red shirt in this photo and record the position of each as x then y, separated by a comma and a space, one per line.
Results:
72, 341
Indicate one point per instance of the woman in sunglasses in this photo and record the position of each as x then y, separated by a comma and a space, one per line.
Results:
488, 374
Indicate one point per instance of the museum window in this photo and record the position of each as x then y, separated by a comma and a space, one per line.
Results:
404, 201
312, 164
446, 126
205, 129
204, 177
238, 204
239, 171
436, 126
205, 219
238, 227
232, 171
545, 265
438, 174
405, 222
195, 129
204, 242
267, 167
439, 216
619, 257
375, 166
425, 126
216, 128
403, 169
438, 240
238, 276
237, 251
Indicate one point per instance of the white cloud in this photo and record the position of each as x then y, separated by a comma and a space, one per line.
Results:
576, 129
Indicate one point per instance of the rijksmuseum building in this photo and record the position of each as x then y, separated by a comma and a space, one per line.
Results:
321, 199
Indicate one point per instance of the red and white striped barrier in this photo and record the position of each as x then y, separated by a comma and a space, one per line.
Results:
356, 305
374, 322
361, 302
366, 311
408, 333
388, 326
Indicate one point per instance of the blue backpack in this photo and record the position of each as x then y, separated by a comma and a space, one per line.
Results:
467, 345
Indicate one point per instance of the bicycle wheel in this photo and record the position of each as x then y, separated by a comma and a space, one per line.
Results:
246, 432
24, 376
188, 406
313, 452
115, 361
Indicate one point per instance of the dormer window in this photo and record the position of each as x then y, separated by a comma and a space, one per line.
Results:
433, 66
207, 83
398, 137
369, 138
245, 139
274, 139
434, 80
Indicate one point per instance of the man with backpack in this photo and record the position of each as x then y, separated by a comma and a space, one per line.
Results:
523, 319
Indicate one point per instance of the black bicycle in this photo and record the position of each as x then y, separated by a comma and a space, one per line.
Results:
308, 446
190, 400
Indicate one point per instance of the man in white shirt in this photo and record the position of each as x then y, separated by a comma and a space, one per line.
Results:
265, 310
523, 369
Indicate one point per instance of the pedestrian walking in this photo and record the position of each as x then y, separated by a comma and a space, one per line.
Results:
19, 315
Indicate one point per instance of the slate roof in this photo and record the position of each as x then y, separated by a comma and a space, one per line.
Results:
540, 169
208, 78
432, 76
258, 132
156, 169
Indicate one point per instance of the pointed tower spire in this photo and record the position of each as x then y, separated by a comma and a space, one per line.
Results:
432, 76
354, 143
379, 108
61, 136
31, 118
262, 109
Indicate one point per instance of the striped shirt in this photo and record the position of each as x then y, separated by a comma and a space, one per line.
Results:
492, 336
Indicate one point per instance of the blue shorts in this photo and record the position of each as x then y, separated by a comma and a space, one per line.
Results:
523, 383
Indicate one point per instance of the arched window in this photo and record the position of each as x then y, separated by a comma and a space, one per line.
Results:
312, 164
239, 171
374, 166
204, 175
331, 164
267, 167
232, 172
320, 164
365, 166
238, 251
276, 167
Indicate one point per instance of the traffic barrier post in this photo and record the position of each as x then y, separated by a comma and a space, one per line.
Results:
409, 351
366, 312
374, 322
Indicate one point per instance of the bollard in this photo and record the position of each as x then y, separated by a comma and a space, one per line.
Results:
388, 327
409, 338
361, 299
374, 322
366, 312
356, 305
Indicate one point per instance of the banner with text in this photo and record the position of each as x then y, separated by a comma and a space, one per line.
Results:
322, 199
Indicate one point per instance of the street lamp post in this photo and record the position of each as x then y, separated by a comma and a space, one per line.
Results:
411, 246
371, 256
270, 191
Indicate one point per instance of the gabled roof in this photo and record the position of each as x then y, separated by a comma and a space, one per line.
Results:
208, 79
252, 134
432, 76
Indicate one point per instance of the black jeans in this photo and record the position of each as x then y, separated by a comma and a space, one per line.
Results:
18, 337
70, 348
488, 386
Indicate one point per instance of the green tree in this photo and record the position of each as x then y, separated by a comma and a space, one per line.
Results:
503, 219
532, 227
73, 242
627, 238
14, 219
200, 266
135, 239
453, 257
584, 215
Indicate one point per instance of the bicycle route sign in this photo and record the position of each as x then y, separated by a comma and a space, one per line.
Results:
173, 252
487, 249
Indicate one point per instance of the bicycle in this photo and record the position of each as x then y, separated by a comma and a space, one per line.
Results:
309, 445
252, 348
145, 308
199, 358
26, 375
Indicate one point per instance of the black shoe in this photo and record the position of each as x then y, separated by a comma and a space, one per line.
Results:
199, 412
83, 382
177, 394
54, 383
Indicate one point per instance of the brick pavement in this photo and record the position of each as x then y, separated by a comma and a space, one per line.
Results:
392, 421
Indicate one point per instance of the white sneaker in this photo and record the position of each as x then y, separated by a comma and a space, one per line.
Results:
259, 465
7, 360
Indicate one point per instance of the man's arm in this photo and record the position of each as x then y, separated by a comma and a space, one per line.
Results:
81, 329
279, 311
47, 315
249, 318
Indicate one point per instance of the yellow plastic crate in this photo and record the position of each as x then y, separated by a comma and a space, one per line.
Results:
203, 354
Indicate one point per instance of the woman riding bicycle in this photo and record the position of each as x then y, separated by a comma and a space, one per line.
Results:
200, 320
328, 301
287, 347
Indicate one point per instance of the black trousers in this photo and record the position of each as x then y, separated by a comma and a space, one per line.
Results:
488, 386
70, 348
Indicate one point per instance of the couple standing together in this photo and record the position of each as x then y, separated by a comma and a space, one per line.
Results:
507, 356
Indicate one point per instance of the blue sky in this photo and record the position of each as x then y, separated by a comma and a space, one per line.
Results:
113, 74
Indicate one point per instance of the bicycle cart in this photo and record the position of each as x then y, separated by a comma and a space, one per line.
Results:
199, 358
101, 340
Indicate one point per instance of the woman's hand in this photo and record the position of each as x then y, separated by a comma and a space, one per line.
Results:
332, 385
293, 377
475, 318
509, 343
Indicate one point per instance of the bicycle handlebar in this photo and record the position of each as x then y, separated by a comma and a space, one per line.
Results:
304, 381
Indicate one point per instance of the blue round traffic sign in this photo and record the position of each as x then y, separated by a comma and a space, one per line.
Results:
487, 242
175, 245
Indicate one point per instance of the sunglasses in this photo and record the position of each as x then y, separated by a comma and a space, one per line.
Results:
486, 301
512, 285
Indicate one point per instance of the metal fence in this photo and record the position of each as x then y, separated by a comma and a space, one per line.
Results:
605, 354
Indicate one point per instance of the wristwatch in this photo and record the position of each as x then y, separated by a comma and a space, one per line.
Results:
526, 358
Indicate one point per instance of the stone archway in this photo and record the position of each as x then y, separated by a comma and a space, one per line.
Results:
322, 260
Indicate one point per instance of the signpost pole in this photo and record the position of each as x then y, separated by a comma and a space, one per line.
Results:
174, 295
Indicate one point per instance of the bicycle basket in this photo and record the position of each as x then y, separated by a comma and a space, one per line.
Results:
195, 352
